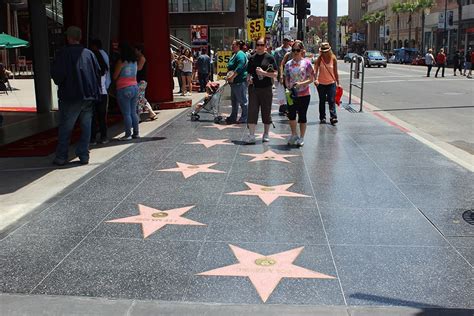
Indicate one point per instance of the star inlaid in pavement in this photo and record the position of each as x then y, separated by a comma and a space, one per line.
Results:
222, 127
208, 143
153, 219
268, 194
274, 135
191, 170
269, 155
266, 271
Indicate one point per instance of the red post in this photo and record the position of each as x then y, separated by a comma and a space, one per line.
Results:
156, 39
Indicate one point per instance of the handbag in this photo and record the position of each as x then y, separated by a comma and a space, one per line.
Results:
339, 90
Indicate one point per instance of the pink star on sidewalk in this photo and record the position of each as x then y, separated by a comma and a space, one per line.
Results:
268, 194
265, 272
274, 135
222, 127
269, 155
208, 143
153, 219
191, 170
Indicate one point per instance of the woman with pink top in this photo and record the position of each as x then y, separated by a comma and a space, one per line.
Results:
298, 76
325, 72
127, 89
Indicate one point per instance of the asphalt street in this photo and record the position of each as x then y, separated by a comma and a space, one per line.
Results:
441, 107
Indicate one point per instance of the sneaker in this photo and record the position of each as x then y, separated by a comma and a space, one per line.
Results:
84, 161
93, 143
265, 138
333, 121
135, 136
249, 139
188, 94
322, 121
300, 142
103, 141
230, 121
125, 138
292, 140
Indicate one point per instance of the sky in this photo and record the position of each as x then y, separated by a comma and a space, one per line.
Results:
320, 7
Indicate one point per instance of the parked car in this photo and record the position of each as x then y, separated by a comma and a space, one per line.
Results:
374, 58
405, 55
418, 61
348, 57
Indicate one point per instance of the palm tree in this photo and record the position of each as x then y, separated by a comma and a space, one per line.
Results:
409, 7
397, 9
379, 17
323, 29
424, 6
368, 18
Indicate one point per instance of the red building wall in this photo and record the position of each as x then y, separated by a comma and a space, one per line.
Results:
140, 21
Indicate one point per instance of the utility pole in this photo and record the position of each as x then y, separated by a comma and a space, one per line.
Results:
445, 33
282, 22
332, 23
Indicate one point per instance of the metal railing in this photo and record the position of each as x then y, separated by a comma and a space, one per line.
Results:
357, 72
176, 43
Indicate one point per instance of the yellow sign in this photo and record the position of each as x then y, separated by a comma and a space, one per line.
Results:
223, 58
256, 29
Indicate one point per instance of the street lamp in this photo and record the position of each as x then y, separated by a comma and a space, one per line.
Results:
445, 34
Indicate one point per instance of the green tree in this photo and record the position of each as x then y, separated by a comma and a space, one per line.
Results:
397, 9
323, 30
424, 6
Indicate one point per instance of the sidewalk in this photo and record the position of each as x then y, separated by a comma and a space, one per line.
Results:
363, 220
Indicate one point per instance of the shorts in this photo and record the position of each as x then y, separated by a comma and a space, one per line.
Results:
187, 74
260, 98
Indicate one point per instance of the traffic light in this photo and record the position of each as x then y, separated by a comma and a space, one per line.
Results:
303, 9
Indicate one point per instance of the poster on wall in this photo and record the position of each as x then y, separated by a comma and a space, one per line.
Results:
223, 58
199, 34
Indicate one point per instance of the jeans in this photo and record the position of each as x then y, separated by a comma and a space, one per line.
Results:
99, 113
327, 93
203, 79
439, 67
69, 112
127, 99
238, 95
429, 70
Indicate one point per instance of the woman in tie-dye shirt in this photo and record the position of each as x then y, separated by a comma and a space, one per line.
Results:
299, 74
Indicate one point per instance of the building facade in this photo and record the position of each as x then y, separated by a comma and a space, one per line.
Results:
411, 33
226, 20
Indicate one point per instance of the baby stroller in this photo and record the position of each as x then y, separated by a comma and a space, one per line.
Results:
211, 102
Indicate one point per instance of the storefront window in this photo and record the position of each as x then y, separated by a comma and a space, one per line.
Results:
221, 38
214, 5
205, 5
173, 5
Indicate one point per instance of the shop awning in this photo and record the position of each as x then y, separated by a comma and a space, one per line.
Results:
8, 41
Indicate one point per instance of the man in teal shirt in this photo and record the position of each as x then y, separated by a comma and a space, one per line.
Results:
238, 83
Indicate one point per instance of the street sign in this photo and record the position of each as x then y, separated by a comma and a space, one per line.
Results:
269, 18
223, 58
449, 20
256, 29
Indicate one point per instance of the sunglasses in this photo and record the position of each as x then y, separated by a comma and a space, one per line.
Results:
260, 45
296, 50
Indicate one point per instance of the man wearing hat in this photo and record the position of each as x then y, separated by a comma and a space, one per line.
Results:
77, 74
279, 54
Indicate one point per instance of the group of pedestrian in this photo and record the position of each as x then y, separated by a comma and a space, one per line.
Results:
255, 75
461, 62
84, 79
184, 66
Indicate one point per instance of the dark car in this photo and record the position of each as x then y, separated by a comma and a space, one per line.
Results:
374, 58
348, 57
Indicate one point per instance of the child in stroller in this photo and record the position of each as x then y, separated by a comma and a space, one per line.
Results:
210, 102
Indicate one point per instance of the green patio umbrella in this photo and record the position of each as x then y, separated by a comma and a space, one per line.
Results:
8, 41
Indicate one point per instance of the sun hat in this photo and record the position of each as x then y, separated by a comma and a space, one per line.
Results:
325, 47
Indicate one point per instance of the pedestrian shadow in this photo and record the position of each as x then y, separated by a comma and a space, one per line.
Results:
424, 309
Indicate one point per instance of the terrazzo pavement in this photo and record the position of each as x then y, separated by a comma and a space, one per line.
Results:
383, 215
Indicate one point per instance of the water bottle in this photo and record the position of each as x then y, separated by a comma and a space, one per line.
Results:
260, 77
